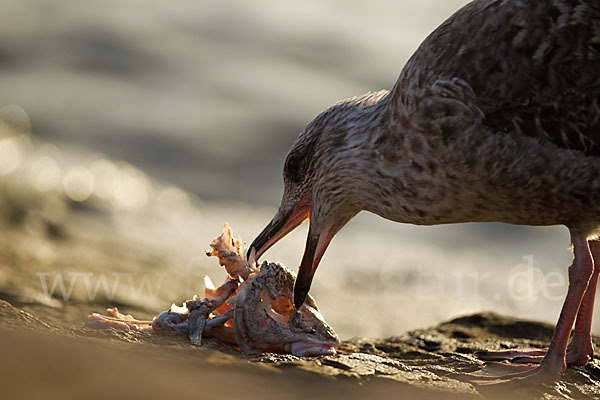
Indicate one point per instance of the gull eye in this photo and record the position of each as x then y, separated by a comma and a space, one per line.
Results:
293, 168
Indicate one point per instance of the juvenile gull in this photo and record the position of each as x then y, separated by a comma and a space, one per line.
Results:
496, 117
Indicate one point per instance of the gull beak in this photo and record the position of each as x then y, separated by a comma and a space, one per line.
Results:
281, 224
316, 244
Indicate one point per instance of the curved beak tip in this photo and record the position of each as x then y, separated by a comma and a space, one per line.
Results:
251, 251
300, 294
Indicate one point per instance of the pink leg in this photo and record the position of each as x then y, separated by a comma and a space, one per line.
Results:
581, 350
579, 277
553, 363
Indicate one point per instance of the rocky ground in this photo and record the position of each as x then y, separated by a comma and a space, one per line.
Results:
42, 358
47, 352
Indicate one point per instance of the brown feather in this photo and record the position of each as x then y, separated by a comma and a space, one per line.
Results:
530, 67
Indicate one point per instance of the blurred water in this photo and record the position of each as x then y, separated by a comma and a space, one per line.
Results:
192, 91
195, 104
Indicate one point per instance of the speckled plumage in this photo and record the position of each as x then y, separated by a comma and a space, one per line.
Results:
496, 117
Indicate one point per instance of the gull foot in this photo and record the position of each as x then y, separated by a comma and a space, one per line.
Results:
577, 355
523, 356
503, 375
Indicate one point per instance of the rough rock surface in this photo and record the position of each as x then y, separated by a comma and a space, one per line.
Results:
417, 363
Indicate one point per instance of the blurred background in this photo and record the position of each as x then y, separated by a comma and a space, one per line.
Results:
130, 131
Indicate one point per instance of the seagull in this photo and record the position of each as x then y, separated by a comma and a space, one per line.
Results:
495, 118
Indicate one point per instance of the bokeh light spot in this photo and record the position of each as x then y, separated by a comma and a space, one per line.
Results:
10, 155
45, 173
132, 190
78, 184
106, 178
